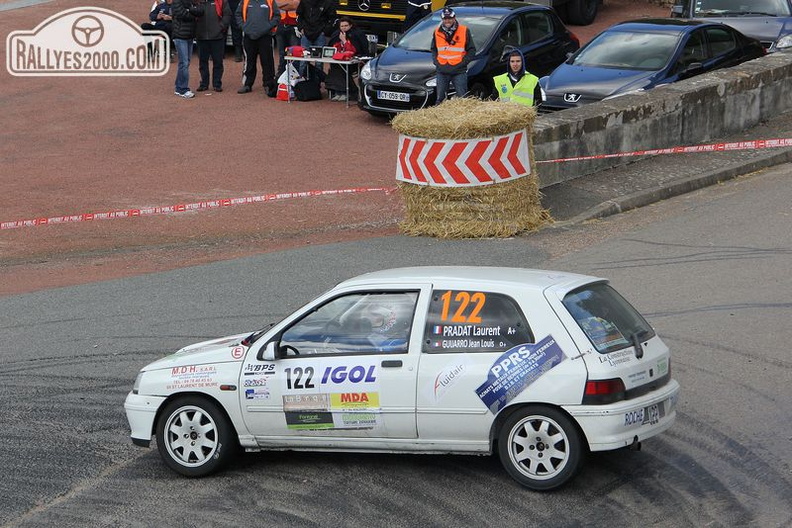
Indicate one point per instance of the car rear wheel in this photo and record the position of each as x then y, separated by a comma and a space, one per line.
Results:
582, 12
194, 437
540, 447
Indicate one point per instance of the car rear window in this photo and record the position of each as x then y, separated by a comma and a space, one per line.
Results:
474, 321
606, 317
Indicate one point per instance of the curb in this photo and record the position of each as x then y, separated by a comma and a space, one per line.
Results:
649, 196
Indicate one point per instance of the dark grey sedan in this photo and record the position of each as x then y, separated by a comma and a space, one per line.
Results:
634, 56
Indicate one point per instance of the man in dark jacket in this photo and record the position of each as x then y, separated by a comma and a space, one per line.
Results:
210, 33
259, 20
315, 21
185, 13
452, 50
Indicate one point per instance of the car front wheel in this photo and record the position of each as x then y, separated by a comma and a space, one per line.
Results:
194, 437
540, 447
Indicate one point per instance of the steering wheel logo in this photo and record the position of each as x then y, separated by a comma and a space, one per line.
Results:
87, 31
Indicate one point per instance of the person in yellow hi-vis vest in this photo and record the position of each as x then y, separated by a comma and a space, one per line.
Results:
517, 84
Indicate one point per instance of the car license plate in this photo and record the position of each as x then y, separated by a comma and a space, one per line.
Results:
393, 96
648, 415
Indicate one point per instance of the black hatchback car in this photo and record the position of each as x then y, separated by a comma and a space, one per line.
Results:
403, 76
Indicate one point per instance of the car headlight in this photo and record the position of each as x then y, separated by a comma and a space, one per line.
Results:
431, 83
136, 386
784, 42
365, 72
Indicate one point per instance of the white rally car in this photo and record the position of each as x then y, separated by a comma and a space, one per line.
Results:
538, 366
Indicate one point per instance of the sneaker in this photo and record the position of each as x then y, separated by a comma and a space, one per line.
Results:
202, 88
218, 88
245, 89
187, 95
342, 98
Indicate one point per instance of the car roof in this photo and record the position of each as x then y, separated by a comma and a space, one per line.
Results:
666, 25
494, 8
480, 275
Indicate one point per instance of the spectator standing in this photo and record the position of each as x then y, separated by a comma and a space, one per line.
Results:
286, 35
236, 31
185, 13
315, 21
210, 34
348, 41
259, 20
452, 50
517, 84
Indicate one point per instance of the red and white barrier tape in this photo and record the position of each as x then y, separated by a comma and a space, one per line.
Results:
182, 208
228, 202
756, 144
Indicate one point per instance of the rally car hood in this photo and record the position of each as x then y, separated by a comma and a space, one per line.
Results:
595, 83
213, 351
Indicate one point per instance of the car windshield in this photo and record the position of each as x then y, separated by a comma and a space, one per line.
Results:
628, 50
419, 37
703, 8
609, 321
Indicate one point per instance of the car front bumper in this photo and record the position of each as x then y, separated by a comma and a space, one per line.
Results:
621, 424
141, 413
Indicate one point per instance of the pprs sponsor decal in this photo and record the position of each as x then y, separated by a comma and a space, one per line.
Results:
517, 368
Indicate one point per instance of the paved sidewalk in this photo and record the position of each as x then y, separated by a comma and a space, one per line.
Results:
663, 176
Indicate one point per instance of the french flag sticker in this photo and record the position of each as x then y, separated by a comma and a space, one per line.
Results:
438, 329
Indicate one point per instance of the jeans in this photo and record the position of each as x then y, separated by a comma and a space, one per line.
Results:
321, 40
214, 49
284, 37
184, 49
460, 85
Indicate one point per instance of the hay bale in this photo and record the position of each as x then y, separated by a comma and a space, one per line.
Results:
497, 210
465, 118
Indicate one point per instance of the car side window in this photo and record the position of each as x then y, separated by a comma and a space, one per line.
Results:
474, 321
360, 323
536, 26
510, 35
695, 49
721, 41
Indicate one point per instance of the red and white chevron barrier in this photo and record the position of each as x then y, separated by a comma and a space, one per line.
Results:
463, 163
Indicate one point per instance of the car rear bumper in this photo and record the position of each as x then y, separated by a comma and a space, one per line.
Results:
141, 413
621, 424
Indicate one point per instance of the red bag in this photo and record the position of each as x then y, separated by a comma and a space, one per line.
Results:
343, 55
295, 51
283, 93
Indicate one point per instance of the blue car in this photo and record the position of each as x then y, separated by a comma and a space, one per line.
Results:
638, 55
403, 76
768, 21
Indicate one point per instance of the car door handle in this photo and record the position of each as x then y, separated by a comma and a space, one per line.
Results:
392, 363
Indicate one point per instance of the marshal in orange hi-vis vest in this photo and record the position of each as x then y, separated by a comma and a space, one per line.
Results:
451, 53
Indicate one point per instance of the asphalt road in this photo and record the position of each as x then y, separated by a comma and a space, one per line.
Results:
709, 269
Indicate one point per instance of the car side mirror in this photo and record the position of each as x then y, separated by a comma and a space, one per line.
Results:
272, 351
694, 68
